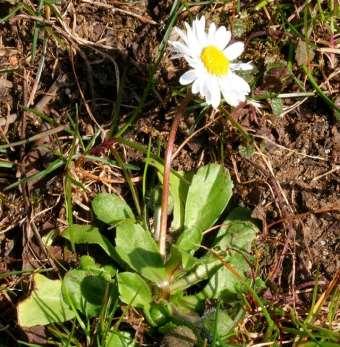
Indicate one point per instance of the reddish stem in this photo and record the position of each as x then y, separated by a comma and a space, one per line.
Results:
166, 175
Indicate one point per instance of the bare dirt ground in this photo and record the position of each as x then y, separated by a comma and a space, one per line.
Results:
290, 180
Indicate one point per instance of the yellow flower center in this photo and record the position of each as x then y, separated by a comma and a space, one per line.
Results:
215, 61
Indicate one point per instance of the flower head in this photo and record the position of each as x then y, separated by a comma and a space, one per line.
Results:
210, 57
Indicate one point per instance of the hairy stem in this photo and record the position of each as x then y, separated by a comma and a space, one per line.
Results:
166, 175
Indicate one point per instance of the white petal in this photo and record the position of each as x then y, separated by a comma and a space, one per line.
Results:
194, 63
195, 24
215, 93
211, 32
188, 27
231, 98
181, 34
239, 98
195, 86
191, 36
222, 37
206, 92
234, 50
231, 91
200, 24
239, 84
192, 41
195, 48
200, 30
177, 56
202, 86
180, 47
188, 77
242, 66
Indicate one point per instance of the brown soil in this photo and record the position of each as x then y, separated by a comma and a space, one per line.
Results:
290, 182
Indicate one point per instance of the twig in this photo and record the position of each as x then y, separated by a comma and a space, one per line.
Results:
193, 135
334, 169
65, 31
270, 343
35, 137
329, 50
166, 175
5, 121
82, 94
85, 174
143, 19
305, 214
293, 107
51, 93
288, 149
42, 103
38, 75
284, 206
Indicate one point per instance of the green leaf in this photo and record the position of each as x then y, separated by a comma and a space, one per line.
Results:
85, 291
246, 150
203, 271
79, 234
180, 260
235, 237
237, 231
111, 209
186, 304
119, 339
179, 185
225, 283
276, 105
218, 322
134, 290
158, 313
138, 249
86, 262
304, 54
208, 195
45, 305
178, 191
190, 239
239, 213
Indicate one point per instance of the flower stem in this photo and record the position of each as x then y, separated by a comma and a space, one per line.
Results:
166, 175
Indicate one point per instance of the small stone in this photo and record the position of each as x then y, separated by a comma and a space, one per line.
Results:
181, 336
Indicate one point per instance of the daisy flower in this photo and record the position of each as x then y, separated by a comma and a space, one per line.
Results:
210, 57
